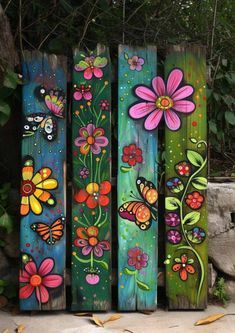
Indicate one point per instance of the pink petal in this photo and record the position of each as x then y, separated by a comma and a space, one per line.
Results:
140, 61
83, 132
183, 92
153, 120
80, 242
52, 280
138, 68
31, 268
141, 110
98, 251
102, 141
26, 291
145, 93
105, 245
46, 266
42, 294
132, 67
79, 141
88, 73
174, 79
24, 276
131, 261
86, 250
159, 86
172, 120
87, 96
98, 72
90, 129
95, 148
77, 96
184, 106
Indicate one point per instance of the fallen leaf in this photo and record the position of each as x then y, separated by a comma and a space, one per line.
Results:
112, 318
20, 328
210, 319
6, 330
83, 314
97, 321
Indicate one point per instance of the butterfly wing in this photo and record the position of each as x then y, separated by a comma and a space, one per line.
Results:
49, 129
147, 191
56, 229
42, 229
49, 234
138, 212
32, 122
55, 102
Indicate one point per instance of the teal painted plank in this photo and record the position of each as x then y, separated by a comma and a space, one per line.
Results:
43, 200
186, 173
91, 208
137, 182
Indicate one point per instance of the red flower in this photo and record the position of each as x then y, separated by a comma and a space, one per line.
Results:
194, 200
183, 168
94, 194
104, 104
183, 267
132, 155
137, 258
38, 279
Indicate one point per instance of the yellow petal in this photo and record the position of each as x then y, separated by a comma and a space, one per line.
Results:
38, 192
41, 175
35, 205
27, 173
24, 200
48, 184
92, 188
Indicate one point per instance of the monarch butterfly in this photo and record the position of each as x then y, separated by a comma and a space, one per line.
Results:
54, 101
50, 233
141, 211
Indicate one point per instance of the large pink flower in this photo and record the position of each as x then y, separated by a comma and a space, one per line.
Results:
163, 99
39, 280
91, 138
137, 258
91, 66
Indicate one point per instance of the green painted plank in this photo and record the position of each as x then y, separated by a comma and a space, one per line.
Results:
137, 181
91, 216
43, 199
186, 172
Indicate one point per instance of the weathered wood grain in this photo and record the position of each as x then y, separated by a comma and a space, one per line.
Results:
43, 188
186, 172
137, 174
91, 209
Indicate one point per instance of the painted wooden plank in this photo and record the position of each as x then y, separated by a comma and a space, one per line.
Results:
137, 180
186, 172
91, 212
43, 199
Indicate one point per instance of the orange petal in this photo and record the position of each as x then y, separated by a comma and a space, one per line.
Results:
183, 274
81, 233
190, 269
92, 231
105, 187
27, 172
176, 267
103, 200
24, 209
184, 258
84, 149
44, 196
91, 202
81, 196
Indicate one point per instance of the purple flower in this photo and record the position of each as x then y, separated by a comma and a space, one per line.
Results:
172, 219
174, 236
137, 258
135, 63
163, 100
84, 173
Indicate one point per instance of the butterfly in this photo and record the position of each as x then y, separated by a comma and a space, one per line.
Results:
54, 101
141, 211
50, 233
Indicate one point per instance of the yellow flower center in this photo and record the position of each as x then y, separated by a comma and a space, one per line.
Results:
90, 140
35, 280
164, 102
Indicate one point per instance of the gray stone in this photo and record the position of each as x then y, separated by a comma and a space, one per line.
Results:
221, 231
230, 288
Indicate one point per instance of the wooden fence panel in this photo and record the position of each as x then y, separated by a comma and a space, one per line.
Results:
186, 163
91, 216
42, 230
137, 180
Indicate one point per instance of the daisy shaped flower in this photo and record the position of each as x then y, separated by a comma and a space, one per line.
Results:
163, 100
91, 138
91, 66
34, 188
38, 280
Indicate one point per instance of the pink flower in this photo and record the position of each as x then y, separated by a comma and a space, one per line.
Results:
91, 138
92, 278
91, 66
137, 258
82, 92
163, 99
135, 63
39, 280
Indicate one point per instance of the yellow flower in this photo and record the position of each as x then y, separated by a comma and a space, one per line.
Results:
33, 188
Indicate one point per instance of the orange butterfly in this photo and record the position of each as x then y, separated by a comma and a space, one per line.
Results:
143, 210
50, 233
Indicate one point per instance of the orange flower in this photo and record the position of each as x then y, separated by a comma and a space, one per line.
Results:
94, 194
183, 267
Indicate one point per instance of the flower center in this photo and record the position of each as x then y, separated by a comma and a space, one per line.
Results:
93, 241
183, 265
27, 188
35, 280
90, 140
164, 102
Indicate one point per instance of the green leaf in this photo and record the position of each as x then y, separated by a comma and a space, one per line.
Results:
230, 117
4, 113
103, 264
125, 169
3, 283
200, 183
172, 203
213, 126
128, 271
177, 260
2, 243
126, 56
11, 79
190, 261
6, 222
100, 62
1, 290
191, 218
142, 285
193, 140
195, 158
